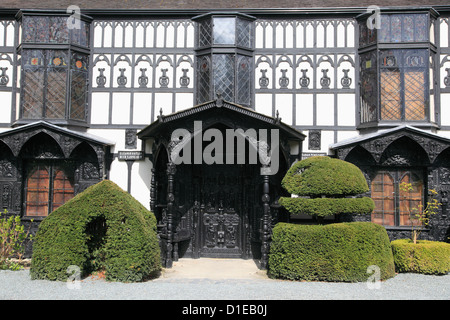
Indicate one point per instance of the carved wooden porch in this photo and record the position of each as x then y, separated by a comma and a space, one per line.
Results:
217, 210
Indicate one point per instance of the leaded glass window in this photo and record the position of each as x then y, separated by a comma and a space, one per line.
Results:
78, 93
393, 207
369, 83
225, 58
404, 85
54, 30
224, 81
48, 186
33, 75
44, 84
55, 55
224, 30
404, 28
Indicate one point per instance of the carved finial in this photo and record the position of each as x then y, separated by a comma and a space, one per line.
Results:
161, 117
219, 101
277, 117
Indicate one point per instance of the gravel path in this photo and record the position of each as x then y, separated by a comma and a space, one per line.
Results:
17, 285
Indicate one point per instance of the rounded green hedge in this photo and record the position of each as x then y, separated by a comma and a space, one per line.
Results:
324, 176
334, 252
104, 228
426, 257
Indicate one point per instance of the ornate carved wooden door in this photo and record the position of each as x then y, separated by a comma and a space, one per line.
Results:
221, 219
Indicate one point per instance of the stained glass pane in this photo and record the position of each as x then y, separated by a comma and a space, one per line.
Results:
33, 93
79, 62
421, 27
415, 96
244, 80
224, 30
58, 30
28, 29
204, 77
363, 30
408, 28
390, 95
56, 93
78, 96
385, 32
396, 28
223, 65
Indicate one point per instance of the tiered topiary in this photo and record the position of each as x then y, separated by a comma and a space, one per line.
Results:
325, 187
103, 228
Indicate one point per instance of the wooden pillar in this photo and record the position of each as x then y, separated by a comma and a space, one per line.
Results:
265, 232
171, 169
153, 191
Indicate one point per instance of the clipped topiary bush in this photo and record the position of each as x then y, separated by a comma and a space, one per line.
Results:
426, 257
324, 186
334, 252
102, 228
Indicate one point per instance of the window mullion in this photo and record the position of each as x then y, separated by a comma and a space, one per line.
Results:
50, 187
44, 93
397, 177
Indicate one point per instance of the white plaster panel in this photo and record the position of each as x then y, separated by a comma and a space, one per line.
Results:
184, 101
5, 107
304, 112
118, 173
120, 108
325, 109
346, 109
142, 108
140, 181
283, 103
445, 109
163, 101
263, 103
99, 107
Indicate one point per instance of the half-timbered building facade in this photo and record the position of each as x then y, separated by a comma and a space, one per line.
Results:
114, 89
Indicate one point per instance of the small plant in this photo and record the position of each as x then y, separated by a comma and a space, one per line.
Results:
12, 237
420, 213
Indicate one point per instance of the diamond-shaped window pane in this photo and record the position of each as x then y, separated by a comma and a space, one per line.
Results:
390, 96
223, 65
56, 93
33, 93
78, 95
244, 71
205, 30
415, 95
244, 33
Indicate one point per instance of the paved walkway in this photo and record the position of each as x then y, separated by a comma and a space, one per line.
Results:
206, 268
221, 279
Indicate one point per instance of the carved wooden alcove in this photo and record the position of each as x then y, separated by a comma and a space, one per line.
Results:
400, 151
206, 209
40, 154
